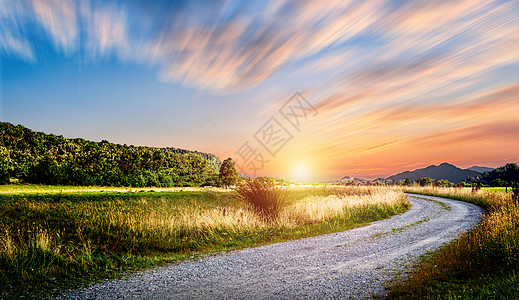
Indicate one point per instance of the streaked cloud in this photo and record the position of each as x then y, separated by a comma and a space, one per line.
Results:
232, 45
384, 75
58, 18
13, 42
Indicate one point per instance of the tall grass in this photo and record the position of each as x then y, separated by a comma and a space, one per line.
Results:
481, 263
330, 203
47, 240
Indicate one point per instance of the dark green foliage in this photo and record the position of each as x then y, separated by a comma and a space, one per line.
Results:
443, 183
506, 175
228, 174
498, 182
35, 157
6, 165
423, 181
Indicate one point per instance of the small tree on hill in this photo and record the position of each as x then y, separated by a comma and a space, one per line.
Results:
228, 174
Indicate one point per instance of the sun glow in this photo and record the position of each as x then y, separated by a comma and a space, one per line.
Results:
301, 173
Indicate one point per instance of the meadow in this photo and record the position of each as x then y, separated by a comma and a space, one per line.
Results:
55, 238
28, 188
499, 189
481, 264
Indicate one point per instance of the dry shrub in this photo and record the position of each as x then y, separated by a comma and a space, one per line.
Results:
264, 198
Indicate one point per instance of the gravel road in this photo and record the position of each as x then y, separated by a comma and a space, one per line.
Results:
350, 264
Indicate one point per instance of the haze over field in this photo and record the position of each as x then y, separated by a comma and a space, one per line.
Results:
396, 85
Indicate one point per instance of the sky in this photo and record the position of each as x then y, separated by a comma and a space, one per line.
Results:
309, 90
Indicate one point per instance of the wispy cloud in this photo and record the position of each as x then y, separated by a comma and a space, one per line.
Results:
13, 41
58, 18
401, 71
235, 45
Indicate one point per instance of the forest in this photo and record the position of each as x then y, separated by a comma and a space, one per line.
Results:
35, 157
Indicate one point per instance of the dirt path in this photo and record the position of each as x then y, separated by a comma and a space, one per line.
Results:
351, 264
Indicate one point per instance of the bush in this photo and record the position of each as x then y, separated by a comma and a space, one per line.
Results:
266, 199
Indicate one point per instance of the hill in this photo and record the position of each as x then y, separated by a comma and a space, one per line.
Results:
347, 179
36, 157
480, 169
443, 171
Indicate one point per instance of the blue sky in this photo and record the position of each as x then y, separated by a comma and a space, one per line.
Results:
397, 84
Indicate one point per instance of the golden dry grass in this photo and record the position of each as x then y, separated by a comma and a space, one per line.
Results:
481, 263
315, 209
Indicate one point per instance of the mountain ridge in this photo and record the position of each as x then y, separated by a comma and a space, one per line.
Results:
480, 169
442, 171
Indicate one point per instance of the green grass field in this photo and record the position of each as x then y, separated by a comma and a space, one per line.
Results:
49, 189
498, 189
54, 238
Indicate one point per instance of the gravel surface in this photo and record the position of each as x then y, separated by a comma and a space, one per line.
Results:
350, 264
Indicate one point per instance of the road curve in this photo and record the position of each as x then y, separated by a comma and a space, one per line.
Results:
350, 264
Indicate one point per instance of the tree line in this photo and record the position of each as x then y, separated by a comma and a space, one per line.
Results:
505, 176
36, 157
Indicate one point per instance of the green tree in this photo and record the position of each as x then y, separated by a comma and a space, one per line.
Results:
443, 182
423, 181
507, 175
6, 165
498, 182
511, 173
36, 157
407, 182
228, 174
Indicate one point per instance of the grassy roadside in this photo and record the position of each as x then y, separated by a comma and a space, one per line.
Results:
481, 264
53, 241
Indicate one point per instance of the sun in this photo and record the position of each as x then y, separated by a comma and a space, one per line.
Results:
301, 172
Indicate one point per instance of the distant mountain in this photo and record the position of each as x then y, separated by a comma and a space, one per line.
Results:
480, 169
443, 171
350, 179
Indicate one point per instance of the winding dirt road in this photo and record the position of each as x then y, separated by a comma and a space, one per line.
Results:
350, 264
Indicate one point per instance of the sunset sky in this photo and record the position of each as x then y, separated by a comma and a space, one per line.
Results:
385, 86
